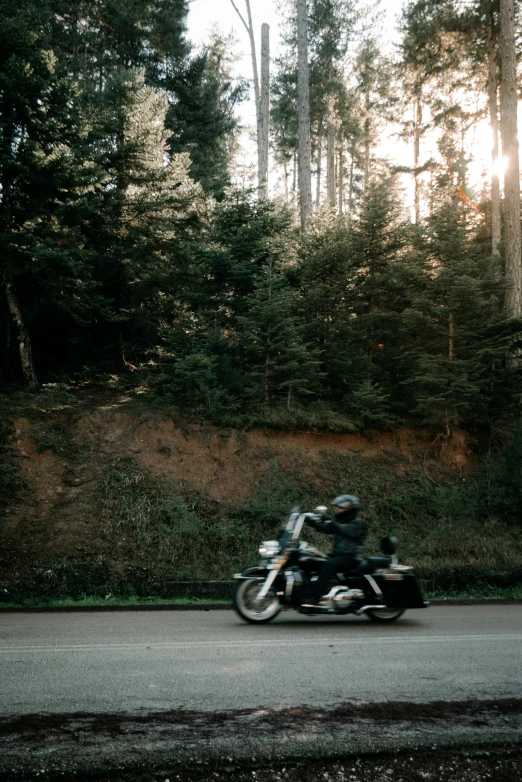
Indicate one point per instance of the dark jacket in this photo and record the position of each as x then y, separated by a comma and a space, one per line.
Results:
348, 529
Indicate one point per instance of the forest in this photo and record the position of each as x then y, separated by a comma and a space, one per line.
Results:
131, 243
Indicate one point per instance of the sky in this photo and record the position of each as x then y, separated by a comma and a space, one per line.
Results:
204, 14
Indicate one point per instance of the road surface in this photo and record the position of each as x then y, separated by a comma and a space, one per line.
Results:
209, 660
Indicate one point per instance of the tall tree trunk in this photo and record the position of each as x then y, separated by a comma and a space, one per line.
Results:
7, 343
264, 109
366, 140
319, 161
13, 305
248, 25
119, 351
330, 160
305, 167
508, 93
350, 189
255, 72
416, 153
366, 162
285, 173
451, 337
22, 335
294, 177
340, 177
493, 118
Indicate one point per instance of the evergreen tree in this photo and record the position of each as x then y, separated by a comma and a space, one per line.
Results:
379, 237
458, 335
142, 203
203, 99
44, 269
277, 361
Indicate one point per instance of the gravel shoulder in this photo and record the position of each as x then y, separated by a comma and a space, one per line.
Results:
247, 744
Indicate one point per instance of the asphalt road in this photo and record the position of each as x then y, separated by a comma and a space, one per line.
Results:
208, 660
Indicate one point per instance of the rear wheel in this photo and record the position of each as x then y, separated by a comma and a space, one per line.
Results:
384, 615
251, 609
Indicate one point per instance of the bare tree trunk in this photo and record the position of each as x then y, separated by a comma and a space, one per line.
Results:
264, 108
416, 153
248, 25
508, 92
119, 351
319, 161
451, 343
493, 115
330, 160
305, 167
22, 335
340, 177
7, 342
366, 163
350, 189
285, 172
367, 141
294, 178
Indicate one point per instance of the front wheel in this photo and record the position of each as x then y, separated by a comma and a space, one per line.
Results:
384, 615
250, 609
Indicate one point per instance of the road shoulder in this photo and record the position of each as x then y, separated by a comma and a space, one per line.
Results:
54, 746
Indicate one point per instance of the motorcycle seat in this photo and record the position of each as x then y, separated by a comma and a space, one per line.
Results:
371, 564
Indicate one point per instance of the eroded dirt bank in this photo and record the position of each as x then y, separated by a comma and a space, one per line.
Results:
59, 518
357, 742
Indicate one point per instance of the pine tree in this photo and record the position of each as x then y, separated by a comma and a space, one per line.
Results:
141, 207
44, 270
227, 289
458, 335
203, 97
277, 361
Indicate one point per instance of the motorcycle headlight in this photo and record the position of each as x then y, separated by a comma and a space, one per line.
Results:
269, 548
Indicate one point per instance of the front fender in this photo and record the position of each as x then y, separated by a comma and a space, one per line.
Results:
252, 571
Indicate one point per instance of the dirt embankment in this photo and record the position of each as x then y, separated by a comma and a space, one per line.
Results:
62, 460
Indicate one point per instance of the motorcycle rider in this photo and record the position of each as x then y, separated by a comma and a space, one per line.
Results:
349, 531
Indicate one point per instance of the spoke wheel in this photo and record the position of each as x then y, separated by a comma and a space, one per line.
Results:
384, 615
251, 609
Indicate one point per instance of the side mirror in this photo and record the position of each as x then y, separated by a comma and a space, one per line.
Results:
389, 545
321, 510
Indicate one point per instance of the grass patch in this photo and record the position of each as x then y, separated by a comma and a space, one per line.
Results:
488, 593
166, 534
476, 593
312, 418
55, 436
97, 602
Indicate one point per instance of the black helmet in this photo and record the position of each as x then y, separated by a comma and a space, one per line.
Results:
346, 502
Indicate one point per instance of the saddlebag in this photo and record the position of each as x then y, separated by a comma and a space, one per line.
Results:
401, 592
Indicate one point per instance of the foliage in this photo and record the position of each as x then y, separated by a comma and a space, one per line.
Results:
128, 250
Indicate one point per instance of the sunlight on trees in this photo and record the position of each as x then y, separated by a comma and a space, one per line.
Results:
372, 288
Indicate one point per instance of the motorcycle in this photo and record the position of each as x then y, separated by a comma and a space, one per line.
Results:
379, 588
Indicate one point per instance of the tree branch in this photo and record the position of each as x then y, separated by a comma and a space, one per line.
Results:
239, 14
